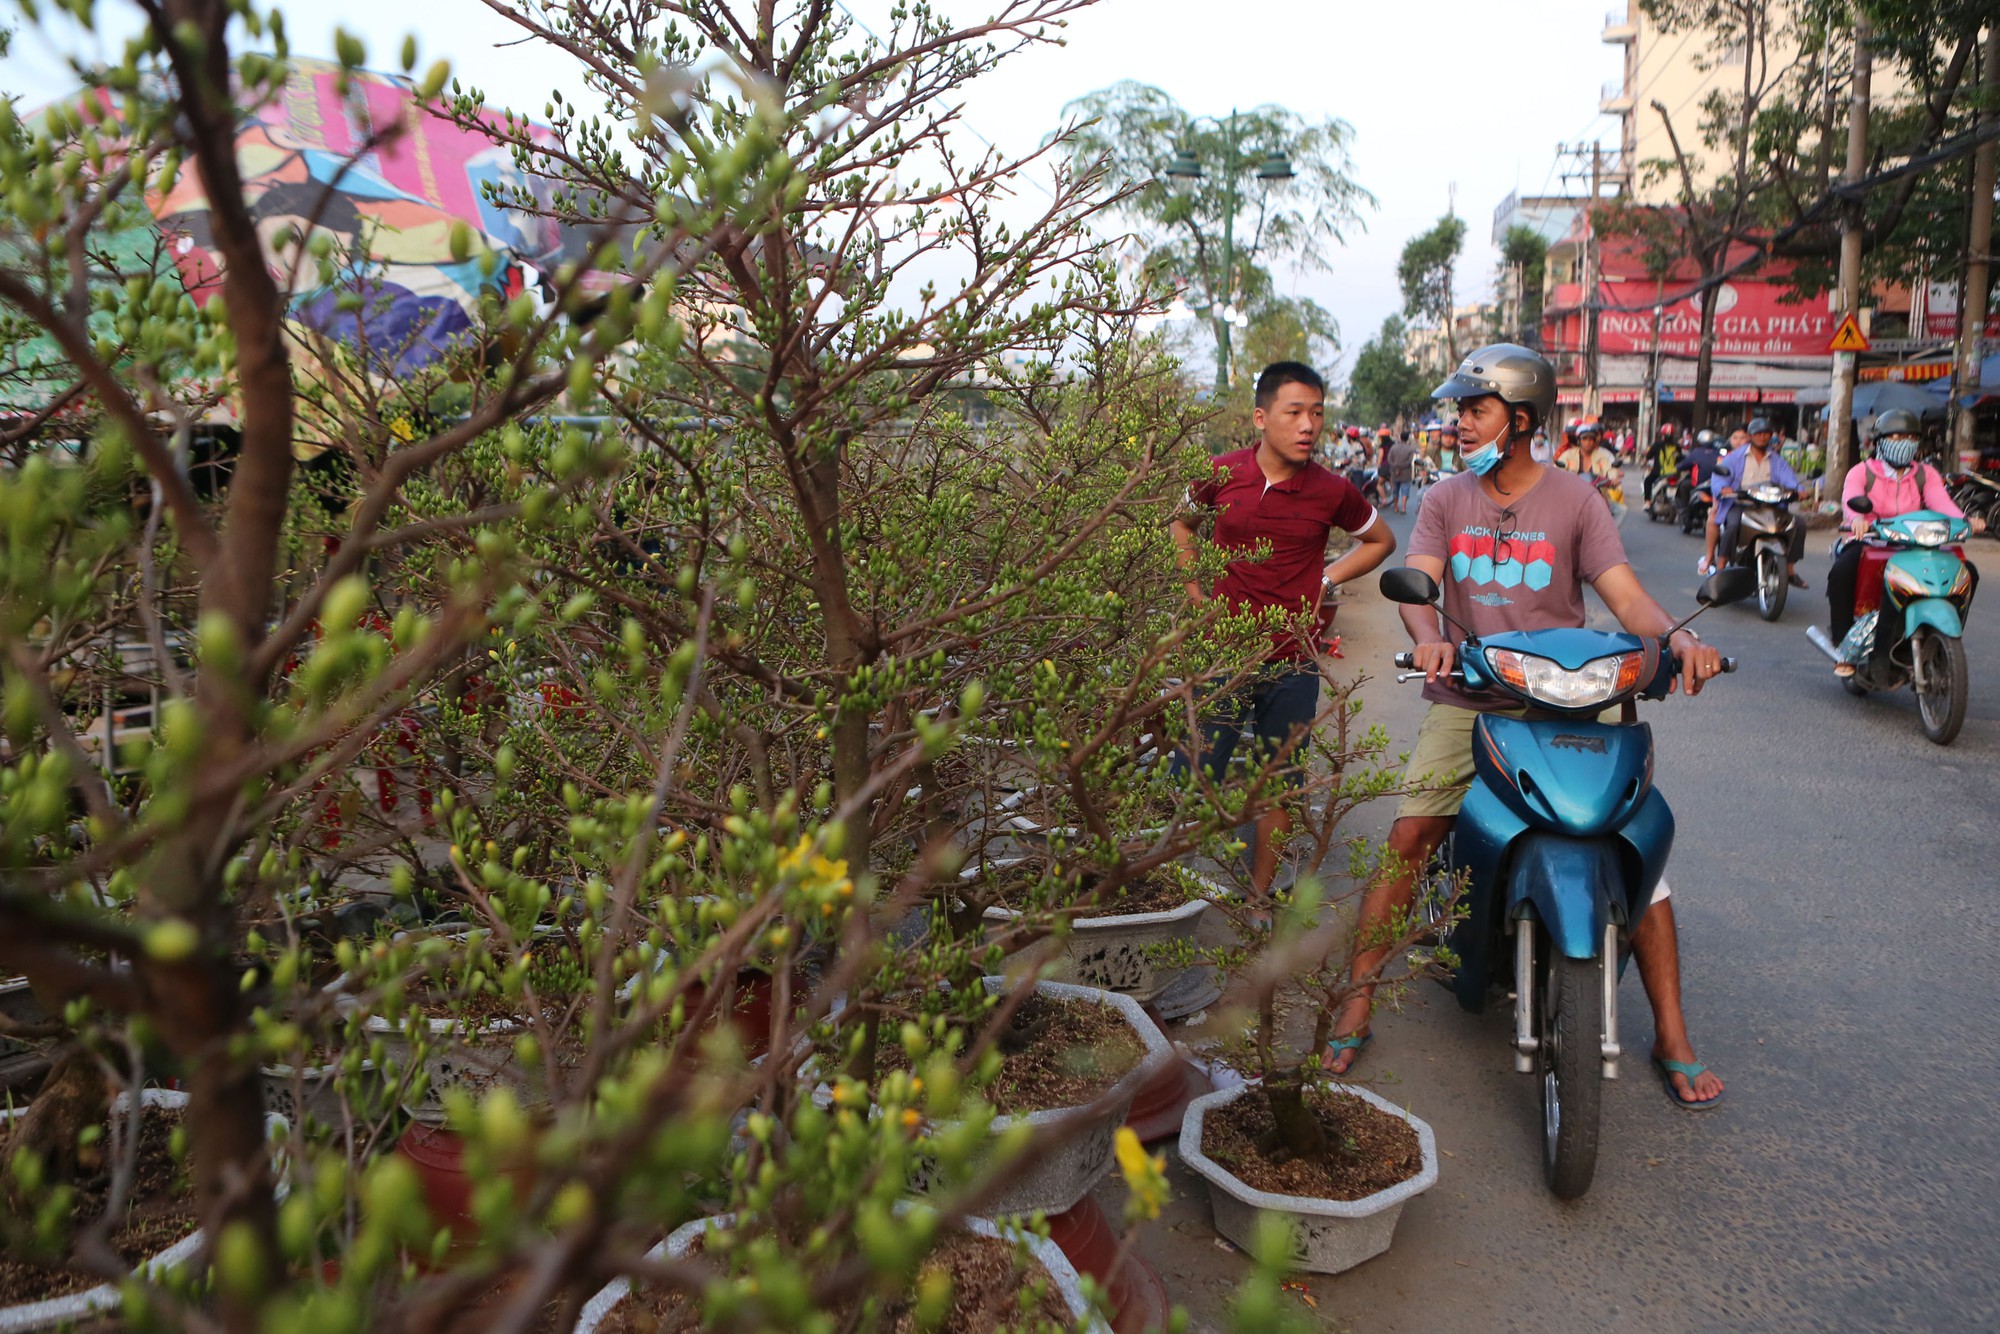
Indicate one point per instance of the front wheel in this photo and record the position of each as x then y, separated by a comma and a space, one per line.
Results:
1772, 584
1572, 1070
1941, 701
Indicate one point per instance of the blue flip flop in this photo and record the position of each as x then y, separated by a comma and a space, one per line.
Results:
1354, 1042
1691, 1070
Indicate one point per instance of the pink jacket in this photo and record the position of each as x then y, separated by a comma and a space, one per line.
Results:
1919, 488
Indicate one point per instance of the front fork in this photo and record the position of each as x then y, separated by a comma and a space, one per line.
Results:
1526, 1043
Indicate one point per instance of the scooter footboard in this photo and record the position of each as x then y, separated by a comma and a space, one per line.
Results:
1571, 883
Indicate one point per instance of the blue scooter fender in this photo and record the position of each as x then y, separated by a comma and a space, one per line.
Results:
1937, 613
1576, 885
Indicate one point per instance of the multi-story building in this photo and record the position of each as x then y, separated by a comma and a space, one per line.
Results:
1677, 71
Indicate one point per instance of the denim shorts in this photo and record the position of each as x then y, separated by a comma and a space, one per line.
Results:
1277, 704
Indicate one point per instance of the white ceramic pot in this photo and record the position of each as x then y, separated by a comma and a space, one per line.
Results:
1061, 1272
1055, 1180
1328, 1236
1120, 952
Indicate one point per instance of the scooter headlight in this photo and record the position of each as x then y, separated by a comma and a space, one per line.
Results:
1928, 532
1546, 681
1766, 494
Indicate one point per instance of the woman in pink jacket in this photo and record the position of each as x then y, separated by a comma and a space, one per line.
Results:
1895, 483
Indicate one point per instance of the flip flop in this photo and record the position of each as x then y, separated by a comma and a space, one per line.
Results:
1799, 581
1354, 1042
1692, 1070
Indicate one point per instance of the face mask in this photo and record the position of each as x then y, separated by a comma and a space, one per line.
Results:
1898, 451
1487, 457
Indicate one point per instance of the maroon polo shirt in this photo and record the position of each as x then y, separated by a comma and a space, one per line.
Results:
1295, 516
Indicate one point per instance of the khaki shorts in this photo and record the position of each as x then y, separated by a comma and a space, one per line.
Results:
1441, 764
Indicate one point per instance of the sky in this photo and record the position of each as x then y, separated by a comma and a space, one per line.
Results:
1453, 103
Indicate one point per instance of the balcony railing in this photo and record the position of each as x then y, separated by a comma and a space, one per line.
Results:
1617, 98
1619, 27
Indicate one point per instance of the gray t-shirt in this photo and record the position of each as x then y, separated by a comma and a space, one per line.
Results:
1396, 461
1521, 567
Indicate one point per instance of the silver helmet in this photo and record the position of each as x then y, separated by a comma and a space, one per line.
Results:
1514, 374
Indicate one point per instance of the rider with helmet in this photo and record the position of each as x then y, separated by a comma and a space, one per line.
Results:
1895, 482
1751, 463
1511, 543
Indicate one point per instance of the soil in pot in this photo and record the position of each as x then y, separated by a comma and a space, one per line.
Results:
161, 1211
1058, 1051
1367, 1149
987, 1278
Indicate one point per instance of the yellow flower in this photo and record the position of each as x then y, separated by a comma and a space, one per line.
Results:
1145, 1177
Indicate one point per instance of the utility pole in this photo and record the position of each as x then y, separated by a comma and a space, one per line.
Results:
1593, 402
1978, 261
1840, 451
1649, 406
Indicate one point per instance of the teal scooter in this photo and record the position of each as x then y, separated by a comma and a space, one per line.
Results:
1560, 844
1912, 594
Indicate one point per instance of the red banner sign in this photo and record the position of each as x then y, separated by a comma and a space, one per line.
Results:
1752, 319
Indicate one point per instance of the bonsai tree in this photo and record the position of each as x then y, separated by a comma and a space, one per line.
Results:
1297, 957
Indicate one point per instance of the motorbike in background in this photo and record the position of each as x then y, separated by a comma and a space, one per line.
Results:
1977, 494
1764, 542
1560, 843
1910, 602
1694, 503
1661, 506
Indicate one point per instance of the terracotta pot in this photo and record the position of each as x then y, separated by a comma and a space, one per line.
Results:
1162, 1101
438, 1155
1138, 1298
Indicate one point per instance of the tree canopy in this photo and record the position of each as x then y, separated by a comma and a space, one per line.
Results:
1383, 384
1135, 130
1425, 274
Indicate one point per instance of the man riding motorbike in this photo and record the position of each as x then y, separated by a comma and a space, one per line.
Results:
1505, 499
1751, 464
1663, 458
1895, 483
1691, 493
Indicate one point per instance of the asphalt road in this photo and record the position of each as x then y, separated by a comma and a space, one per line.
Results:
1835, 879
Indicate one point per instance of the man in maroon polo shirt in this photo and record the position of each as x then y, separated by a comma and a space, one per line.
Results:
1274, 493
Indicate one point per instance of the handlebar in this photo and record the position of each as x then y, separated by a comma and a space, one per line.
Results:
1407, 660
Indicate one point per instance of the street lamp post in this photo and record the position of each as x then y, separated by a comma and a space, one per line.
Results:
1186, 167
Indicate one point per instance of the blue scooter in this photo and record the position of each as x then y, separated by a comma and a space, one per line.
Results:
1916, 633
1560, 844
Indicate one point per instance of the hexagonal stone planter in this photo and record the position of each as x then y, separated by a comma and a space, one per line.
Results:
1328, 1236
1117, 952
1046, 1252
1055, 1180
79, 1308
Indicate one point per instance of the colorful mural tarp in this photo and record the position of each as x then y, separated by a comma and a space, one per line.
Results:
388, 178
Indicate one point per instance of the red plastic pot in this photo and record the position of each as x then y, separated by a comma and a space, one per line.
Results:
1158, 1107
1138, 1298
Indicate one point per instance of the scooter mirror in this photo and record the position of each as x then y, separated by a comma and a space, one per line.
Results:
1406, 585
1861, 505
1732, 583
